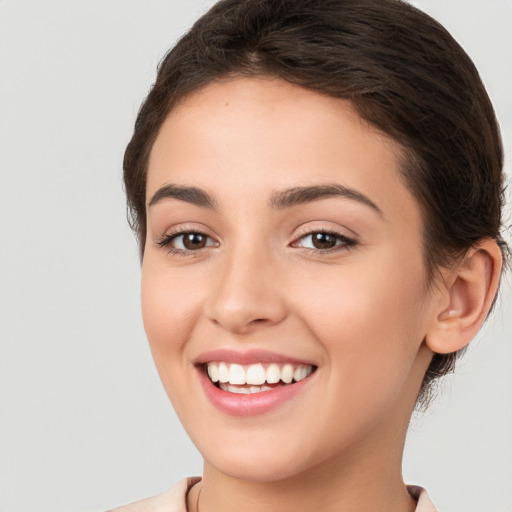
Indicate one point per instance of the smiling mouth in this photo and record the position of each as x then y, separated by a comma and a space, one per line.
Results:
255, 378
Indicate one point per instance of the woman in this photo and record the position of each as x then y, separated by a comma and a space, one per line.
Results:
317, 189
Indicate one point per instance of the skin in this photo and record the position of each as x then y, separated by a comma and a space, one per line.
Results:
363, 314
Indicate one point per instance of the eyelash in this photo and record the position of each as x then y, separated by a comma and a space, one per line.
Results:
346, 242
166, 240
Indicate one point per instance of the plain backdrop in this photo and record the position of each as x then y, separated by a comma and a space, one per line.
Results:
84, 421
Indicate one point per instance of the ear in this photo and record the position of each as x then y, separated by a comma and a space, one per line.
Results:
467, 294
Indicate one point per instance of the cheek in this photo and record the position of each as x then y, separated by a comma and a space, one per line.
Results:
168, 312
370, 320
169, 300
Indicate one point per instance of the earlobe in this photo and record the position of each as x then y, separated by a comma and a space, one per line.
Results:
470, 289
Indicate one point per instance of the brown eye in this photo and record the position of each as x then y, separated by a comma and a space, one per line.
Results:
186, 242
193, 241
323, 240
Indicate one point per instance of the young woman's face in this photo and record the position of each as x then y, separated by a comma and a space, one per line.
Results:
283, 244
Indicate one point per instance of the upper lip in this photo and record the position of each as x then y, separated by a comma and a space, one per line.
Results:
246, 357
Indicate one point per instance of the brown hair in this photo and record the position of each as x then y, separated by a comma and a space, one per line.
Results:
402, 70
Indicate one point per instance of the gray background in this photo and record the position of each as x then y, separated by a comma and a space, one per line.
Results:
84, 422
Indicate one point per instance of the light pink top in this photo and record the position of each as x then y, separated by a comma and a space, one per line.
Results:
175, 499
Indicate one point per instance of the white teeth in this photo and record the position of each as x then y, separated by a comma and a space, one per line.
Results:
213, 372
287, 373
273, 374
223, 372
300, 373
255, 375
243, 390
236, 374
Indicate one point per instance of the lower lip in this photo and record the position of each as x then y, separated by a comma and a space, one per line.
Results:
238, 404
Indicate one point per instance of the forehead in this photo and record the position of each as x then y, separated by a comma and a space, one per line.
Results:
259, 134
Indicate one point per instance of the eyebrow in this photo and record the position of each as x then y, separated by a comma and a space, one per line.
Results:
280, 200
301, 195
191, 195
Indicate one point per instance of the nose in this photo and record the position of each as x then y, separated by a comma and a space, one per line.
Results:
247, 296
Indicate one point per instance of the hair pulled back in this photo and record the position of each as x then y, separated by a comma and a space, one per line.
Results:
403, 72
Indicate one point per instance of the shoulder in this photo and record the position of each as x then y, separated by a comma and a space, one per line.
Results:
172, 500
424, 502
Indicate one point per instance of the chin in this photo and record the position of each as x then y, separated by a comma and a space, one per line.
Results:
265, 470
257, 462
